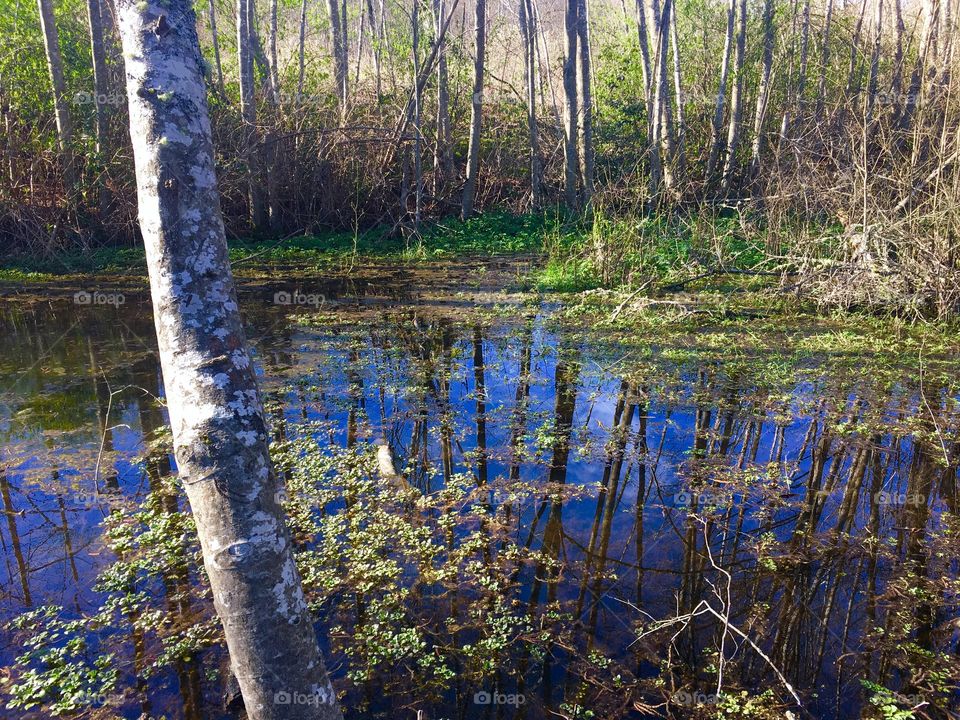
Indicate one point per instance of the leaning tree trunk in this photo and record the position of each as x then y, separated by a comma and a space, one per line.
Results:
586, 103
736, 102
219, 431
476, 111
571, 104
51, 41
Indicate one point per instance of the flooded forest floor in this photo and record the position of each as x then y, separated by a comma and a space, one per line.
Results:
708, 502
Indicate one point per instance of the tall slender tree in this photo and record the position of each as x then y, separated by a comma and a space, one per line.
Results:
528, 35
444, 168
58, 83
824, 62
248, 110
585, 75
571, 103
716, 126
763, 87
301, 43
476, 109
736, 100
219, 430
338, 43
274, 69
215, 41
99, 57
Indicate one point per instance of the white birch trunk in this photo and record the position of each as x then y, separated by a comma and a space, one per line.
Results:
219, 432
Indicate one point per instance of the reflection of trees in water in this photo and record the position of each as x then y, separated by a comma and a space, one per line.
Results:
825, 505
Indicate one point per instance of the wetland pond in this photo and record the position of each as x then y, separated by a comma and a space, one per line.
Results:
593, 520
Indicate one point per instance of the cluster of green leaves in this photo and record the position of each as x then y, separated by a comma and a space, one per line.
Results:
417, 589
420, 586
74, 662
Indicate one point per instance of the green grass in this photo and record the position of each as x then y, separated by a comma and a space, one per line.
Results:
608, 251
490, 234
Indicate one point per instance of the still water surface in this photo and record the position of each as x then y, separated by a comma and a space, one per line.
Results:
825, 480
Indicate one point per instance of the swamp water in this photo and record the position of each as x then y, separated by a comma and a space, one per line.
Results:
606, 522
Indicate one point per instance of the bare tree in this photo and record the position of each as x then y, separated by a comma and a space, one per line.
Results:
872, 78
763, 88
274, 70
795, 88
219, 431
680, 160
99, 72
211, 11
716, 127
528, 34
824, 62
417, 115
644, 36
444, 168
248, 110
51, 43
736, 100
586, 102
853, 74
896, 86
662, 137
338, 42
301, 42
572, 104
476, 110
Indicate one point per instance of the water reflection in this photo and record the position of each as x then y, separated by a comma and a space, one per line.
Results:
739, 522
